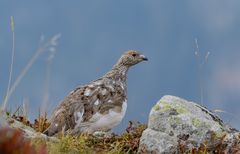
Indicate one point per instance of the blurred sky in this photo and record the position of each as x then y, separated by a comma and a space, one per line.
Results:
95, 33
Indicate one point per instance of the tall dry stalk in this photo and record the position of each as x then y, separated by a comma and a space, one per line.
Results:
51, 43
201, 63
11, 66
44, 105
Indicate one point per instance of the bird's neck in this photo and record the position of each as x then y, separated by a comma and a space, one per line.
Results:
118, 72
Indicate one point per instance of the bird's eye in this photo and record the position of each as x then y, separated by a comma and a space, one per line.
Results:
134, 55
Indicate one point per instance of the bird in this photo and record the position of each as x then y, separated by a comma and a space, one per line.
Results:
99, 105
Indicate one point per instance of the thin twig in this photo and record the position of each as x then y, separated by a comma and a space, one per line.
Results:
222, 111
17, 110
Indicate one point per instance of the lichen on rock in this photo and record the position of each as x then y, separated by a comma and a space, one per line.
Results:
173, 120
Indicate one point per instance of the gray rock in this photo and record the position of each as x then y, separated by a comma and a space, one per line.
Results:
173, 120
3, 122
28, 132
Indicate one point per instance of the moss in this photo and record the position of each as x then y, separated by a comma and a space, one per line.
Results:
168, 106
165, 106
66, 144
163, 103
196, 122
220, 134
156, 107
181, 109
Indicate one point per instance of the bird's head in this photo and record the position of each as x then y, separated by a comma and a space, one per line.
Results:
131, 58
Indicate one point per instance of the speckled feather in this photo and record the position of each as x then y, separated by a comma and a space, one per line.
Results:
99, 105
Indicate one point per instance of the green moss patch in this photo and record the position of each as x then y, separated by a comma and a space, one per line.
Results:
196, 122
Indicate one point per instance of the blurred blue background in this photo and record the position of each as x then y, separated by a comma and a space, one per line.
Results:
95, 33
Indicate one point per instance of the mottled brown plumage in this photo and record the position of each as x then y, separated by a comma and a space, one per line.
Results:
99, 105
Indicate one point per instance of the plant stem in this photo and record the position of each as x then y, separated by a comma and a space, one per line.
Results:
11, 66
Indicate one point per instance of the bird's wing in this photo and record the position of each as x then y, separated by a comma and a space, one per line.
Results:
67, 114
101, 96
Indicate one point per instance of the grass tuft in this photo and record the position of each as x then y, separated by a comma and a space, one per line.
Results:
84, 143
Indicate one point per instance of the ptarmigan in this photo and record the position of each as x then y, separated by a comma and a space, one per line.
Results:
99, 105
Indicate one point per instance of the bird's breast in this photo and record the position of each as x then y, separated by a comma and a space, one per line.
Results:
104, 122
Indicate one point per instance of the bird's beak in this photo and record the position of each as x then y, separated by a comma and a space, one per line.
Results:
144, 57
